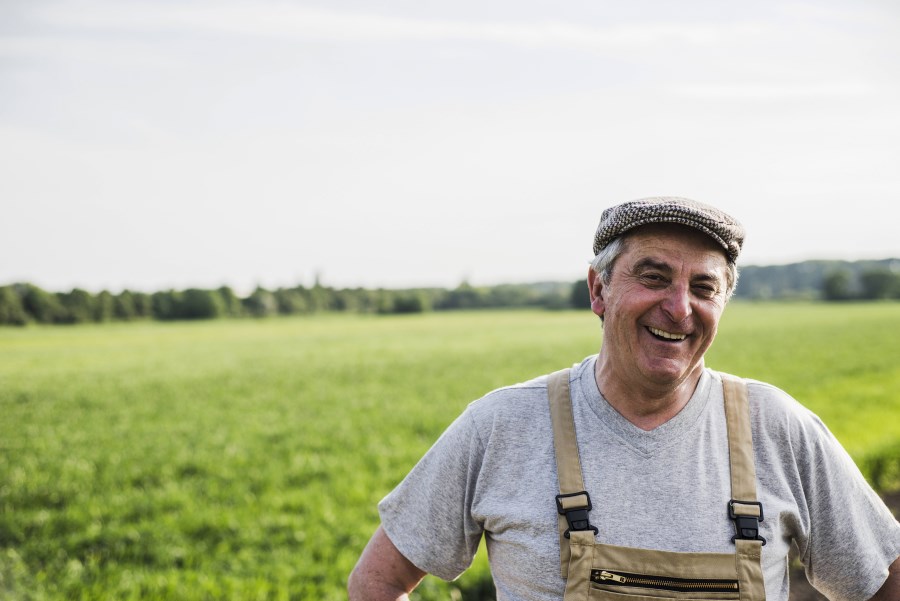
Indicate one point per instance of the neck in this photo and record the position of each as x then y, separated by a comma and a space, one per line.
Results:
645, 404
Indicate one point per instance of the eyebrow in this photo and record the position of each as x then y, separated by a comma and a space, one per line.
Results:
651, 263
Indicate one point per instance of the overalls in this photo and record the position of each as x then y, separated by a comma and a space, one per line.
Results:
601, 572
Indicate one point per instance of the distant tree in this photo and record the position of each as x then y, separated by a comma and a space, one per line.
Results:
12, 312
41, 305
581, 296
352, 300
261, 303
165, 304
836, 286
319, 298
143, 304
463, 296
409, 301
78, 305
510, 295
104, 306
555, 302
355, 300
880, 284
201, 304
123, 306
384, 301
230, 302
291, 301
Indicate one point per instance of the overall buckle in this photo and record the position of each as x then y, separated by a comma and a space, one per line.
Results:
575, 507
746, 522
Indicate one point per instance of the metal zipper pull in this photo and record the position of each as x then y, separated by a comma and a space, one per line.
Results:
604, 575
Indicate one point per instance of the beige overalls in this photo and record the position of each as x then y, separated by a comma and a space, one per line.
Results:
611, 573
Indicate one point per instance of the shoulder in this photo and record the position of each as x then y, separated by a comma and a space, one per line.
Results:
522, 407
510, 404
773, 407
525, 396
780, 419
769, 401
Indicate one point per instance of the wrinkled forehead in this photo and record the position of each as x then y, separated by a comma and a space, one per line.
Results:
672, 234
672, 245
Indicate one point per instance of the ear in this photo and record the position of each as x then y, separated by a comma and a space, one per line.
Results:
595, 287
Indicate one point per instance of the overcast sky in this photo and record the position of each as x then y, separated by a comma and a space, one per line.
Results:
149, 145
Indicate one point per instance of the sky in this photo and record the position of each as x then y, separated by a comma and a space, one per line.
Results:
192, 143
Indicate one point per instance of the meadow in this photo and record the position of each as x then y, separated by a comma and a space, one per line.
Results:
243, 459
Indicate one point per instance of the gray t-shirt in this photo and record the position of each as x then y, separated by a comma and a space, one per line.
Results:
493, 473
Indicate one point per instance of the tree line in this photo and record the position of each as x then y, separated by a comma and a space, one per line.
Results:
25, 303
822, 280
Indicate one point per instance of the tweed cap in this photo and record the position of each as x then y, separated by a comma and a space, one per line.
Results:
716, 224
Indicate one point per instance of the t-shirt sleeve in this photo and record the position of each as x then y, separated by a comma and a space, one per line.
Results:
428, 515
852, 537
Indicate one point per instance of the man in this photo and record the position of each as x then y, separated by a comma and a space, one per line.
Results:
640, 474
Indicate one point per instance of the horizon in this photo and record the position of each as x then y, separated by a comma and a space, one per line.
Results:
324, 284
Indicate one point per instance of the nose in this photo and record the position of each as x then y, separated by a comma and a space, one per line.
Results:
677, 303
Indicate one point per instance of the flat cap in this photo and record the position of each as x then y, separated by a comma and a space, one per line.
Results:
716, 224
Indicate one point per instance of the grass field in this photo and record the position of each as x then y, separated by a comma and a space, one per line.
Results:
244, 459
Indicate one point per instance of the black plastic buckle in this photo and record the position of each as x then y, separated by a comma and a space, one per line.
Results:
577, 517
746, 526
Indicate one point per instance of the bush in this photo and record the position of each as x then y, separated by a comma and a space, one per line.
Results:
581, 296
123, 306
143, 304
261, 303
104, 306
409, 302
78, 305
290, 301
880, 284
836, 286
200, 304
11, 310
230, 302
42, 306
165, 305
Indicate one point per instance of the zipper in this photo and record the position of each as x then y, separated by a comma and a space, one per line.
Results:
698, 585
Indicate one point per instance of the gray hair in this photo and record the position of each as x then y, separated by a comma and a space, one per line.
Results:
606, 258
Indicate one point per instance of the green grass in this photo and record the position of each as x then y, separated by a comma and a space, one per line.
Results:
842, 361
245, 459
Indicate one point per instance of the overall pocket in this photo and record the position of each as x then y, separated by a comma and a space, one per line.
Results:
621, 586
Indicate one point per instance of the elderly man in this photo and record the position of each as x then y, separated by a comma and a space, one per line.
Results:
640, 474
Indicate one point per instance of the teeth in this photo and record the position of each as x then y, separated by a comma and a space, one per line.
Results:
667, 335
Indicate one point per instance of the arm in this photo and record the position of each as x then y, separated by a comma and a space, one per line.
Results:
382, 572
890, 590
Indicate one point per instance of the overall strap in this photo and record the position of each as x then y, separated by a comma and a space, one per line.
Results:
573, 501
740, 440
744, 507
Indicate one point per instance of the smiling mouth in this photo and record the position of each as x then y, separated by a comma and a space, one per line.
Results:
663, 335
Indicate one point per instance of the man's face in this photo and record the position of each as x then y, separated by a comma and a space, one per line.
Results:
662, 306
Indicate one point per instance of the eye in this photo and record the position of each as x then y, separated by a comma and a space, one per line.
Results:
653, 279
705, 290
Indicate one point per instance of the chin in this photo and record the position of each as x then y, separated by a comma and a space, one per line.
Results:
668, 375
